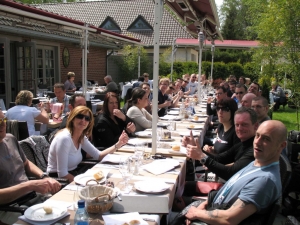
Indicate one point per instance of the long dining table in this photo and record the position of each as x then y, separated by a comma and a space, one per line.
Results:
154, 204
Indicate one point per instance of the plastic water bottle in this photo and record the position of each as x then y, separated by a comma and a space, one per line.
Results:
81, 217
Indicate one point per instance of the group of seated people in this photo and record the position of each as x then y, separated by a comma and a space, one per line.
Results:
245, 152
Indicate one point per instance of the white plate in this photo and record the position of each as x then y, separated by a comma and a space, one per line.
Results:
187, 133
151, 186
96, 100
170, 117
173, 113
147, 134
83, 178
177, 109
162, 124
182, 151
167, 139
197, 121
201, 115
135, 141
37, 213
195, 128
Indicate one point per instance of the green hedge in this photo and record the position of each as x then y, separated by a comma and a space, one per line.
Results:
220, 69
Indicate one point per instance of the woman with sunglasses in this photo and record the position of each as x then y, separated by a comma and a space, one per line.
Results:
110, 124
136, 109
226, 136
65, 149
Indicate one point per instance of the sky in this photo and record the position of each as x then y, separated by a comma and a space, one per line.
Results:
218, 3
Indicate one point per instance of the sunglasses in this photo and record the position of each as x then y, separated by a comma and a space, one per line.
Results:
3, 120
81, 116
224, 109
239, 93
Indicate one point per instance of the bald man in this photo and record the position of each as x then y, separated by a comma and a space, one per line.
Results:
247, 100
253, 189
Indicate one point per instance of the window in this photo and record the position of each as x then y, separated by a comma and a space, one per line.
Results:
110, 24
140, 24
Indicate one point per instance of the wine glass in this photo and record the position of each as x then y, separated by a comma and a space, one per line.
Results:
159, 133
139, 151
126, 172
38, 94
92, 96
45, 93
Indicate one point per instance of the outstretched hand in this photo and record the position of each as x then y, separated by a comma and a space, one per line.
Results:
130, 128
123, 139
194, 152
189, 140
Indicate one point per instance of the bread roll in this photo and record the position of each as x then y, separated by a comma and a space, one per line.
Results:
196, 118
191, 126
134, 222
99, 175
47, 209
176, 148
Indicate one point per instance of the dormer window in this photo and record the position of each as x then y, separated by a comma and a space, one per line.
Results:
140, 24
110, 24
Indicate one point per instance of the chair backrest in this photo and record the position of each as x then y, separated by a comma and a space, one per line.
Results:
285, 172
51, 95
121, 84
23, 130
36, 149
11, 104
89, 105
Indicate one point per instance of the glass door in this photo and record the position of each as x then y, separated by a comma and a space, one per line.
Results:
45, 67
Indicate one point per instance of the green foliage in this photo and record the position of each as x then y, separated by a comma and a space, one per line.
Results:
288, 116
235, 69
230, 55
129, 62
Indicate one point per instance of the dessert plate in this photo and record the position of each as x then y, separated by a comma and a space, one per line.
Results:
83, 178
144, 134
37, 213
156, 186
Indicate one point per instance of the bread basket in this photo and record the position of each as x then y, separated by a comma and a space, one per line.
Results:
98, 198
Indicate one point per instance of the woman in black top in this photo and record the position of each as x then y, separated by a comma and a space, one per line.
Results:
109, 125
226, 136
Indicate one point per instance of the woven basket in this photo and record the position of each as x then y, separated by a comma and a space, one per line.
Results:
98, 198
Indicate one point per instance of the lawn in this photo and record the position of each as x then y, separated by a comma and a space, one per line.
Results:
288, 117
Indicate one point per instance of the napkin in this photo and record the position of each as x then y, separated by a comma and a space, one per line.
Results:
43, 222
113, 158
161, 166
153, 186
120, 219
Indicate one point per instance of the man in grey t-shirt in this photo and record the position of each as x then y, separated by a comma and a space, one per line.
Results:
252, 189
14, 169
111, 86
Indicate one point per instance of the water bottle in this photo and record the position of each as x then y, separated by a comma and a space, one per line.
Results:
81, 217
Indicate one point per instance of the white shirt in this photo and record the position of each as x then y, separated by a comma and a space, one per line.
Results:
193, 87
64, 156
24, 113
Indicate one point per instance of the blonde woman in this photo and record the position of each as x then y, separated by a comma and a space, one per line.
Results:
65, 150
69, 84
23, 112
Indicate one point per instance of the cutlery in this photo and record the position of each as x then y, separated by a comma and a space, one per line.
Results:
148, 219
118, 196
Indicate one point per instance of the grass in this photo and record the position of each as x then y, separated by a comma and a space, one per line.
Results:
288, 117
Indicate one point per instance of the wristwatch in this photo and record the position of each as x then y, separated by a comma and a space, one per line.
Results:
44, 175
203, 160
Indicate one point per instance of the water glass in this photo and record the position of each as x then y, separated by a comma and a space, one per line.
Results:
126, 172
159, 133
139, 150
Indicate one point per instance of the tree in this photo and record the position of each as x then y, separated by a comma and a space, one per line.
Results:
278, 27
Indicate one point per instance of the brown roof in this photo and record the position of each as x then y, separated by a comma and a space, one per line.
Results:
124, 12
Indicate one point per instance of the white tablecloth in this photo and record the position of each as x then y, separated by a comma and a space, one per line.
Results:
124, 89
2, 105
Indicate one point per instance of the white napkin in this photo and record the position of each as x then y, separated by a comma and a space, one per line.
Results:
43, 222
153, 186
119, 219
160, 166
113, 158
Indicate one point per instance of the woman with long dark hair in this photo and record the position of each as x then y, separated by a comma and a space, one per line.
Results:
110, 124
136, 109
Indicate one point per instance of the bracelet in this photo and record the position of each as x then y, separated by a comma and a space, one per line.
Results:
116, 148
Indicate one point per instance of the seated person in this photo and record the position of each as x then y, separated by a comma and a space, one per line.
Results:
15, 169
141, 118
110, 125
163, 99
226, 136
23, 112
237, 157
278, 95
221, 93
64, 153
61, 97
69, 84
253, 189
145, 86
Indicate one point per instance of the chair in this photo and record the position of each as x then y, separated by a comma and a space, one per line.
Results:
36, 149
121, 84
17, 128
14, 205
89, 105
51, 95
11, 104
